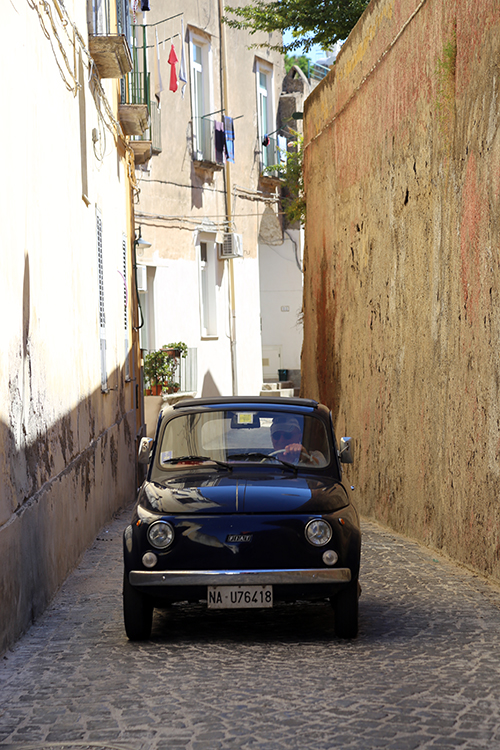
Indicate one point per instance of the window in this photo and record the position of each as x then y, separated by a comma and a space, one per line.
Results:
102, 313
201, 98
125, 306
208, 283
265, 111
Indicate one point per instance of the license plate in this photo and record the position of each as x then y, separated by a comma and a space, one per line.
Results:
239, 597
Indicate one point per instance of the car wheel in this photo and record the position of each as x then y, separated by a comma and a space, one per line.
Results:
345, 608
137, 612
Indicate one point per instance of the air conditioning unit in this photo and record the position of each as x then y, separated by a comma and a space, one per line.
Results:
142, 278
232, 246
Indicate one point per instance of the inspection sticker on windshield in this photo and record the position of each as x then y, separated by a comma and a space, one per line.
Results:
166, 456
244, 417
239, 597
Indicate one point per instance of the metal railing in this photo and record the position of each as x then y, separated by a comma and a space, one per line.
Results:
317, 72
204, 139
135, 88
109, 17
272, 159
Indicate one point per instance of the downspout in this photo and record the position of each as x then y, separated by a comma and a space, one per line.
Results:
229, 209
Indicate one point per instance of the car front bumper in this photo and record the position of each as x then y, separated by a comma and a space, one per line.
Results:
292, 577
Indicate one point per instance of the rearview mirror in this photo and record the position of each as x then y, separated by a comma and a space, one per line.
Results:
346, 452
144, 450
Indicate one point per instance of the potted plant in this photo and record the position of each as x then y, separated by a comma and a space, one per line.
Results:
160, 368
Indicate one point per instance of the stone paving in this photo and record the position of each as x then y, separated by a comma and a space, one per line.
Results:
423, 673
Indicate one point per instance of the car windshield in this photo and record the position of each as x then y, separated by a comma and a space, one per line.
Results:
231, 436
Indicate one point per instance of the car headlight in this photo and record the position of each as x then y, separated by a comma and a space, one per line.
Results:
161, 534
318, 532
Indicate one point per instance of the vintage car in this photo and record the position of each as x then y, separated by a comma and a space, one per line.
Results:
243, 506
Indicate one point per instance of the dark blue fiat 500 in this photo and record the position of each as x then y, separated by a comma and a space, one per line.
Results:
243, 506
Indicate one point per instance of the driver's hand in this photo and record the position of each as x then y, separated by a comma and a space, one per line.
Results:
292, 452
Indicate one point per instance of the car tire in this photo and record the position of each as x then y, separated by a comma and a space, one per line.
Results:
345, 608
137, 612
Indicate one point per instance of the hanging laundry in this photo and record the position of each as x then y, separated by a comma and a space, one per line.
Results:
158, 83
172, 59
229, 129
220, 142
182, 68
145, 5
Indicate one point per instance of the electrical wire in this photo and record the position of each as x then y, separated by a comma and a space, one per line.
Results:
68, 72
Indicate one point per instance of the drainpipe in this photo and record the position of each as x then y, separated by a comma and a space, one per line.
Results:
227, 196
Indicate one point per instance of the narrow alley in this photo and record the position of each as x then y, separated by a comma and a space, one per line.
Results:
423, 673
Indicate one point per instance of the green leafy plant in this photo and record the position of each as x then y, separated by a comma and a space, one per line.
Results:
310, 22
292, 176
301, 61
160, 367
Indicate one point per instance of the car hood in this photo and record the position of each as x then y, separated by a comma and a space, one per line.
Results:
215, 495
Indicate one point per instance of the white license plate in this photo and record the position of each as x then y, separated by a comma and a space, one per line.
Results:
238, 597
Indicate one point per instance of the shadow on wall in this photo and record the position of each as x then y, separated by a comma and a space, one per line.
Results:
58, 491
209, 388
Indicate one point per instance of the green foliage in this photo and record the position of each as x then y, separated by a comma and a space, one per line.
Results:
180, 347
160, 365
310, 21
301, 62
293, 197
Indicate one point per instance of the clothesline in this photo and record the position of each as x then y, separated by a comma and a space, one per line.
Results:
163, 20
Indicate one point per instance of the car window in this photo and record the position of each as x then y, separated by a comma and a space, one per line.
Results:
242, 435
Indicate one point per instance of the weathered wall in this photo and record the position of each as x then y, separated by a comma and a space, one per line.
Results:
402, 286
67, 449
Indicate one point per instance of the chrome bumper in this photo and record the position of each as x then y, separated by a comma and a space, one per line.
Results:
238, 577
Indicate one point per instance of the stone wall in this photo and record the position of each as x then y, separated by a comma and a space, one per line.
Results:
402, 281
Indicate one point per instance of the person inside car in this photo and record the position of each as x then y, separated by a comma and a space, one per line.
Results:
286, 436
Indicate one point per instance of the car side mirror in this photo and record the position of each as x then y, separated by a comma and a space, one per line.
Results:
346, 453
144, 452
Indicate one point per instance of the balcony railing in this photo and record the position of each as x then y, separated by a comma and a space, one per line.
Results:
272, 159
135, 88
317, 71
204, 139
109, 17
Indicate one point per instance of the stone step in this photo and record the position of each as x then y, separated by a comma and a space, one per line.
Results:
278, 392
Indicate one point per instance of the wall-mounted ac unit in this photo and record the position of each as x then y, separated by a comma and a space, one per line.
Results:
232, 246
142, 278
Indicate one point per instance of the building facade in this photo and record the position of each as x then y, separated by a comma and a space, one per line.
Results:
70, 396
209, 202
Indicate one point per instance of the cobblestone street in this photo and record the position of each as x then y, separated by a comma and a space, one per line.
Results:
423, 673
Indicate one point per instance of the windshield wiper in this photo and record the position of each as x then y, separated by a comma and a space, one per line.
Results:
197, 459
262, 456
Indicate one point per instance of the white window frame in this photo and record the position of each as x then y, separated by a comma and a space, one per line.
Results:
265, 105
102, 305
201, 101
206, 247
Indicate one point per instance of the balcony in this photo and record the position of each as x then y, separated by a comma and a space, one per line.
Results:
204, 150
133, 110
149, 143
109, 29
272, 162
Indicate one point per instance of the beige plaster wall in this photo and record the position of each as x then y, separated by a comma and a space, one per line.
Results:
402, 282
67, 450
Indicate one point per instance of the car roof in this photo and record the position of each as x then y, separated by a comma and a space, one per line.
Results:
277, 404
